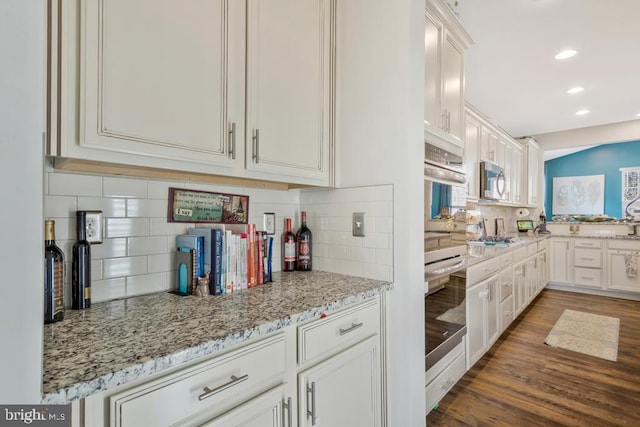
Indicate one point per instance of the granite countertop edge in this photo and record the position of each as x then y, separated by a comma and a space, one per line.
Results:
138, 371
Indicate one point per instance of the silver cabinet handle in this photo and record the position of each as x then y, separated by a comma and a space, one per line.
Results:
234, 381
288, 407
447, 384
256, 145
231, 145
353, 327
587, 259
312, 413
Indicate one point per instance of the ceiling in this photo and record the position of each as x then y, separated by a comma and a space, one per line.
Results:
513, 78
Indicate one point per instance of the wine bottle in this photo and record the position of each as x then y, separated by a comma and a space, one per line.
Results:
303, 237
81, 266
288, 248
53, 275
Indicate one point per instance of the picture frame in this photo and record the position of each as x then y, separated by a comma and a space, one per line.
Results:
196, 206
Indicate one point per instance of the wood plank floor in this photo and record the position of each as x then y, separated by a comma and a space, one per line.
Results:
521, 381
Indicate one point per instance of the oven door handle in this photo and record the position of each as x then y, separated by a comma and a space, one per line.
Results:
443, 175
441, 271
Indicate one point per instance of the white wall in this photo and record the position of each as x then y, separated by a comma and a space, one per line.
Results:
380, 141
21, 150
594, 135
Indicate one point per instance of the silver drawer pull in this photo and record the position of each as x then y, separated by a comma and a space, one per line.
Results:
353, 327
587, 259
234, 381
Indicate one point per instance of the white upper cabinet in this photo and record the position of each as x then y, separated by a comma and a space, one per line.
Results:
533, 172
161, 79
472, 155
288, 113
157, 84
445, 44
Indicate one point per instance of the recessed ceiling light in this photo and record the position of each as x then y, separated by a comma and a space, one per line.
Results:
582, 112
566, 54
576, 89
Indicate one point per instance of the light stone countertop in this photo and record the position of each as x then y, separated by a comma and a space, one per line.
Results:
116, 342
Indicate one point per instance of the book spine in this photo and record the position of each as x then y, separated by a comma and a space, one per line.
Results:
243, 261
231, 262
260, 245
194, 271
216, 271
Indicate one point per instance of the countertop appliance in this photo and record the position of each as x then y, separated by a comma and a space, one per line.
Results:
492, 181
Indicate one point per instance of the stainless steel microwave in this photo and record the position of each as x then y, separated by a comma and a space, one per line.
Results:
492, 181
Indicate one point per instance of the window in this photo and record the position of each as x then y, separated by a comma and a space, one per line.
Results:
630, 190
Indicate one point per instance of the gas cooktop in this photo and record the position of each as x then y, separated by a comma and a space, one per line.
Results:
492, 240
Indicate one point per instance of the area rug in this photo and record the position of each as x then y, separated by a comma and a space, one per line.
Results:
455, 315
586, 333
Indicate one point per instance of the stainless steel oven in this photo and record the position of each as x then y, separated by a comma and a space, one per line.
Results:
444, 251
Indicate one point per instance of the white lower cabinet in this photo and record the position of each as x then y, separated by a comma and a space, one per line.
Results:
344, 390
205, 390
444, 374
519, 287
482, 318
327, 371
267, 410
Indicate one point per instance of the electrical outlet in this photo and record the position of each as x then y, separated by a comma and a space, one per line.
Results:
94, 226
358, 224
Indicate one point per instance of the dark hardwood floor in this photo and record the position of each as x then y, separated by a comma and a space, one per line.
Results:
521, 381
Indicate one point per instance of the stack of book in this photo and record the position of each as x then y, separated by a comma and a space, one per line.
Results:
232, 256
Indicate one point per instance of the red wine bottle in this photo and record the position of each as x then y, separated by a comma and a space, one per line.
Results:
303, 238
53, 276
288, 248
81, 266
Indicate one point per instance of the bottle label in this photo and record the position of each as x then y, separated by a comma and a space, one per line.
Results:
289, 251
58, 287
304, 253
87, 292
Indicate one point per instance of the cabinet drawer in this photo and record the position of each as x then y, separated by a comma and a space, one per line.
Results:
542, 245
477, 273
532, 249
326, 336
587, 243
506, 260
506, 313
506, 285
624, 244
519, 254
220, 383
587, 277
443, 382
590, 258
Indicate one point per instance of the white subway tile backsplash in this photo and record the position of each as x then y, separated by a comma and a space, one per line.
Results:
109, 207
147, 245
162, 262
105, 290
124, 187
59, 206
126, 266
125, 227
147, 208
137, 255
146, 284
109, 248
160, 226
64, 184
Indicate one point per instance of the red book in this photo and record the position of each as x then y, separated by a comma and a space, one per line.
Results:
260, 244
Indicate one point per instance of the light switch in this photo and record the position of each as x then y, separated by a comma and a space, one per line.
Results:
358, 224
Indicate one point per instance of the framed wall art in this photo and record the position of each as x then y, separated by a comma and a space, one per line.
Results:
207, 207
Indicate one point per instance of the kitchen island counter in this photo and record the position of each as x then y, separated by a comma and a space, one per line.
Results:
116, 342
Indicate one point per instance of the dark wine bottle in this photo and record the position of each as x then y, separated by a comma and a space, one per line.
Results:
81, 266
288, 248
303, 237
53, 275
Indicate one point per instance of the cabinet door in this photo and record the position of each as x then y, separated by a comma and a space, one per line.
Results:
533, 154
543, 270
344, 390
489, 145
559, 261
453, 87
289, 88
493, 306
519, 287
266, 410
476, 322
517, 173
433, 36
471, 157
532, 279
618, 279
161, 80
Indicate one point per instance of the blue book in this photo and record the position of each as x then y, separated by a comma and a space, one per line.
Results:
188, 241
217, 267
